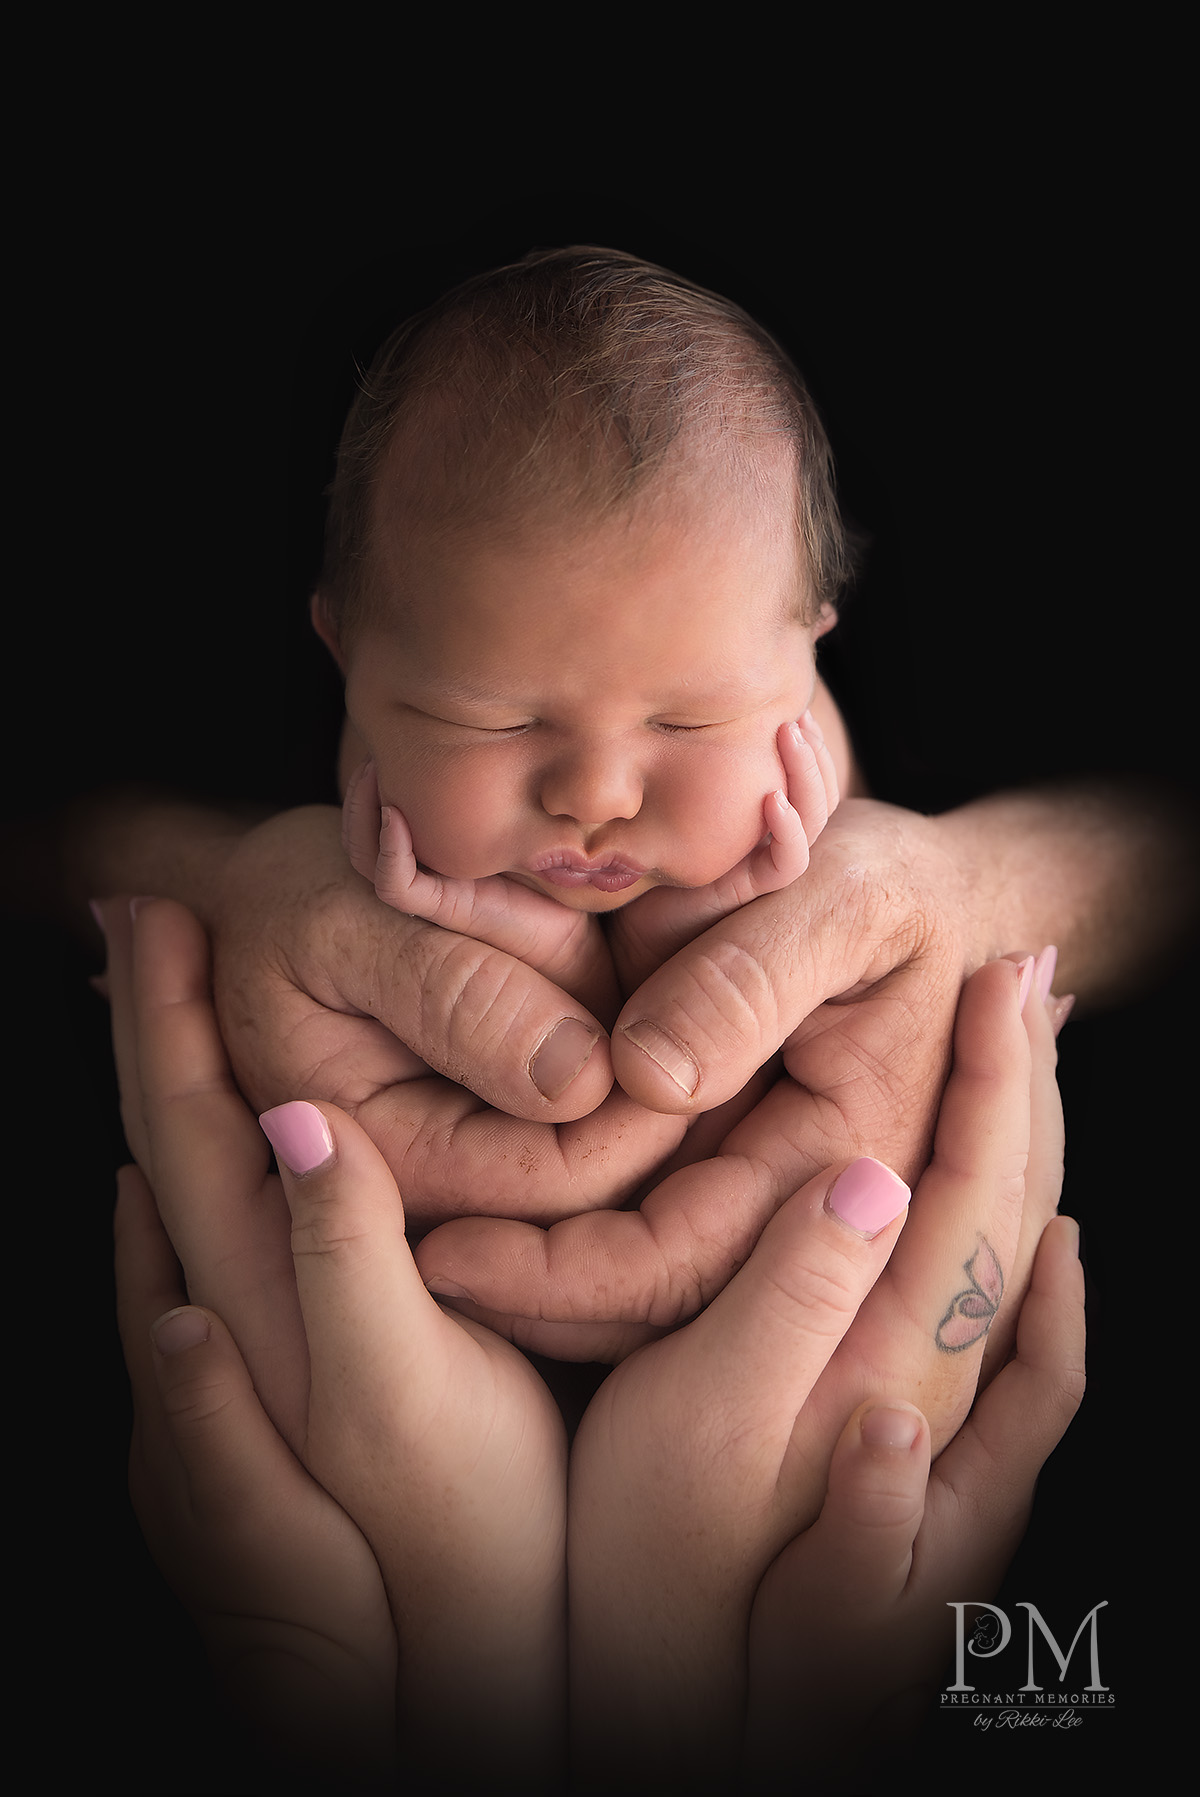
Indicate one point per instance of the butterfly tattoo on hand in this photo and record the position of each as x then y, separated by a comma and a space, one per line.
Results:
971, 1311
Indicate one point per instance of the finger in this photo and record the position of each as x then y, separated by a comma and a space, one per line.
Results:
397, 881
823, 1640
148, 1281
1044, 1172
469, 1011
924, 1326
449, 1152
190, 1385
815, 737
379, 1344
768, 1335
646, 1270
858, 1553
787, 852
207, 1159
1022, 1416
116, 921
692, 1035
809, 770
361, 822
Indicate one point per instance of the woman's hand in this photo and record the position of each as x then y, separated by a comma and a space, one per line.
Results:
850, 1626
283, 1587
705, 1453
435, 1436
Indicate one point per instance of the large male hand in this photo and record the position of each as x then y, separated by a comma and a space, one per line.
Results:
323, 992
856, 972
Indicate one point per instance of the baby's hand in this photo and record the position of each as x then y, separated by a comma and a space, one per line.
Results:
566, 946
649, 931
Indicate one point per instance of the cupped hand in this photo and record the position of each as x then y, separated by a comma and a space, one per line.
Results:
856, 971
704, 1454
284, 1589
850, 1625
436, 1436
325, 993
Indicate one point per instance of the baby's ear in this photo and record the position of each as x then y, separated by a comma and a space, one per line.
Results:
826, 619
326, 629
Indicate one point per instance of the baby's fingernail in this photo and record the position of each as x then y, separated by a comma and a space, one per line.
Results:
885, 1427
867, 1196
561, 1055
665, 1052
299, 1135
1043, 971
176, 1330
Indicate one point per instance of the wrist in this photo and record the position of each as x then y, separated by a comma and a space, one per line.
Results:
140, 841
1105, 872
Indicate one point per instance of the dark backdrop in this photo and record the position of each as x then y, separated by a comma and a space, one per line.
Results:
979, 309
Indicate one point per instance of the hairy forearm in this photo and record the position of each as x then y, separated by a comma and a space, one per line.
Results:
1106, 872
140, 840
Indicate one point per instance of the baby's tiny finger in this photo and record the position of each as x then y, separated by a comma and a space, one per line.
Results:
814, 736
360, 820
807, 786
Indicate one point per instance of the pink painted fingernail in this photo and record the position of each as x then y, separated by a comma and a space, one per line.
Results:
1027, 967
97, 913
867, 1196
1043, 971
665, 1052
180, 1329
561, 1055
299, 1135
1060, 1009
885, 1427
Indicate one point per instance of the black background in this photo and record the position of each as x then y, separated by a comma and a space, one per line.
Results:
979, 282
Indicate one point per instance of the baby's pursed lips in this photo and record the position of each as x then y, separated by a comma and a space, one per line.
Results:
568, 867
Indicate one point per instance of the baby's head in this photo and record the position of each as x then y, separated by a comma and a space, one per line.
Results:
582, 541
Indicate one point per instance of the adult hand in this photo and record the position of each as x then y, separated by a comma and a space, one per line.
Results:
703, 1455
283, 1587
850, 1627
856, 971
438, 1438
324, 992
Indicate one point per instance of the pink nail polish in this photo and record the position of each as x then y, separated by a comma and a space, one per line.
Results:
1043, 971
867, 1196
1027, 967
299, 1135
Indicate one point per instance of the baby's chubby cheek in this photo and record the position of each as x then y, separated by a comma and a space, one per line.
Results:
717, 812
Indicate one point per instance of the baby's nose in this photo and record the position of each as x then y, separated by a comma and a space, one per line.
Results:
592, 786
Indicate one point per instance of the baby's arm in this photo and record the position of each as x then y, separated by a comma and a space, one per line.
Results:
566, 946
651, 929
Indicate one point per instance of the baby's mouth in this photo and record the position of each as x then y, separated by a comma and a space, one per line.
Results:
606, 873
